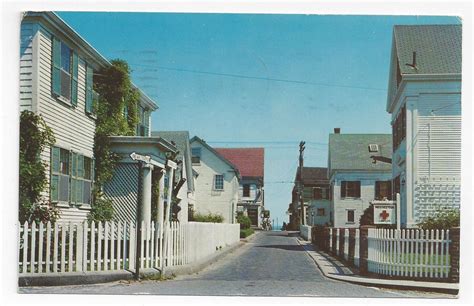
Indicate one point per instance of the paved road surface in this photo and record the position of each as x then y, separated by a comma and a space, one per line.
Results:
272, 264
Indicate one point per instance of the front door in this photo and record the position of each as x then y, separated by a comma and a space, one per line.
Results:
253, 215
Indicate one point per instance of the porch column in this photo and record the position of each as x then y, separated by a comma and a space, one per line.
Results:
145, 196
159, 217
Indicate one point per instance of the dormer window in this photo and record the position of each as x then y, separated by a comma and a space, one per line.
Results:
373, 148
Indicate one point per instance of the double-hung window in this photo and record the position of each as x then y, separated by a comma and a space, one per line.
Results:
72, 177
350, 189
143, 124
219, 182
65, 72
350, 216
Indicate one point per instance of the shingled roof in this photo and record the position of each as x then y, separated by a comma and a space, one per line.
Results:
438, 48
249, 161
350, 152
314, 175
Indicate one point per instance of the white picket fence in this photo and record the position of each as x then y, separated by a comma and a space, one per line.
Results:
109, 246
410, 252
345, 233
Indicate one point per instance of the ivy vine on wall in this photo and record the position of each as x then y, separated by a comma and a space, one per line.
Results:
117, 115
35, 135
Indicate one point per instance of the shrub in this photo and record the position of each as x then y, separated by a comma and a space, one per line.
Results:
35, 135
442, 219
211, 218
246, 232
244, 221
102, 210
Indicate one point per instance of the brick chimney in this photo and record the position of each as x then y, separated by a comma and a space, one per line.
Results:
337, 130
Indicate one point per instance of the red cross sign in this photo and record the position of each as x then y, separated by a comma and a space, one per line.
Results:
384, 215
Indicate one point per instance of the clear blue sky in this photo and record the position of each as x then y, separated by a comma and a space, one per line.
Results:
257, 80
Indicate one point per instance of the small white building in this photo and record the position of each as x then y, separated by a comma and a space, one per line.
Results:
354, 179
56, 82
216, 183
185, 194
424, 98
251, 165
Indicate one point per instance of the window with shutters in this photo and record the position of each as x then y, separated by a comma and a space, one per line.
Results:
72, 177
383, 190
60, 169
350, 189
219, 182
65, 69
321, 193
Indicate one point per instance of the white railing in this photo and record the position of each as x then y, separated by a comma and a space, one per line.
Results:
111, 246
357, 247
305, 232
346, 244
412, 253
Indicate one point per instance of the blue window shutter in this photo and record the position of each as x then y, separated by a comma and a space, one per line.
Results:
74, 82
89, 80
56, 67
55, 159
54, 184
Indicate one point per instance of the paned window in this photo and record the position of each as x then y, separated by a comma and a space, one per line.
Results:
219, 182
350, 189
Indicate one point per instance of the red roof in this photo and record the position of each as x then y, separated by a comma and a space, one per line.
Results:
249, 161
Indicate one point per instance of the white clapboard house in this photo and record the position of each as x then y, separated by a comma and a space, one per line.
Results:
56, 81
424, 99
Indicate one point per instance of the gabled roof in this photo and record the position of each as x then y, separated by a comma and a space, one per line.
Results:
249, 161
313, 175
349, 152
438, 48
212, 150
181, 140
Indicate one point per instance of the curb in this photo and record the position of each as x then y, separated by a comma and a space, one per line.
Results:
66, 279
74, 278
451, 288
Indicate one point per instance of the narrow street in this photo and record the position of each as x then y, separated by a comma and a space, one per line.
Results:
271, 264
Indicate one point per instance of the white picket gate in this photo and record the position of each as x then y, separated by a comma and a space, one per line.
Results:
346, 244
111, 246
409, 252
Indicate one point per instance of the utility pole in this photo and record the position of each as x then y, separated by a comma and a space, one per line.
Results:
301, 185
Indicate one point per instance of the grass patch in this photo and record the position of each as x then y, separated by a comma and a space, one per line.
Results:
244, 233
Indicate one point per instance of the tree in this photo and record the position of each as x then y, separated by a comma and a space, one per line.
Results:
35, 135
117, 114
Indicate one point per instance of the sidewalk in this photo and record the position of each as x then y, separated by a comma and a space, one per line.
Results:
334, 269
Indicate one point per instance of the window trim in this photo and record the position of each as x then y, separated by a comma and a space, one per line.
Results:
57, 47
214, 185
347, 216
344, 192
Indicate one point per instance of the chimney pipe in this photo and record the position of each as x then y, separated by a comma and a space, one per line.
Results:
337, 130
